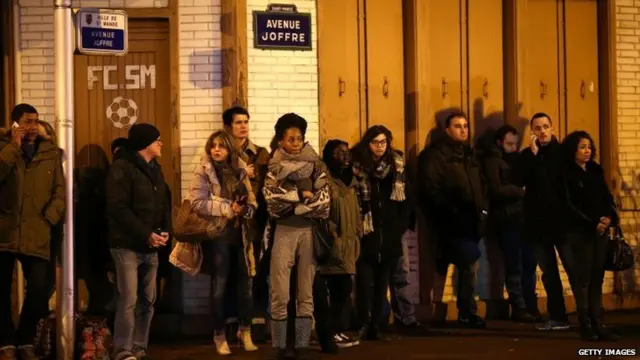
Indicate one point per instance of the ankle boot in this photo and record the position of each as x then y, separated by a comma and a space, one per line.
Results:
279, 335
601, 332
586, 331
222, 347
244, 337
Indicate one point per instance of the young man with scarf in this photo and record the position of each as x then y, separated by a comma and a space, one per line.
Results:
498, 151
454, 202
139, 212
334, 282
32, 202
386, 207
296, 191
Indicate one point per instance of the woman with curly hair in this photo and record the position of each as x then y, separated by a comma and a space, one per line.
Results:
221, 189
590, 212
387, 208
296, 191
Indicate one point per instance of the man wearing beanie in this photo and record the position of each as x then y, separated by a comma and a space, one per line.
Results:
139, 212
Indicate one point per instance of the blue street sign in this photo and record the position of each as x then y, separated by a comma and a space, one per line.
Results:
102, 32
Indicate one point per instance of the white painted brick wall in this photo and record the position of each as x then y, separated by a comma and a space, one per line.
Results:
282, 81
200, 108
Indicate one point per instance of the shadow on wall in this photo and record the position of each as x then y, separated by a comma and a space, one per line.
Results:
204, 65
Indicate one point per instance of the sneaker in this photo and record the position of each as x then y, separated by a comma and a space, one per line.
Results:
124, 355
345, 341
553, 325
472, 321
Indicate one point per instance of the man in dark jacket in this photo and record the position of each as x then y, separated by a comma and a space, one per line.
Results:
538, 169
505, 222
31, 202
454, 201
139, 211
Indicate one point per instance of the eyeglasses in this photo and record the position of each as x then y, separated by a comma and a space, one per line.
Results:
379, 143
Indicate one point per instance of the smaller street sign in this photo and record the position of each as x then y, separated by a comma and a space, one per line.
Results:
102, 32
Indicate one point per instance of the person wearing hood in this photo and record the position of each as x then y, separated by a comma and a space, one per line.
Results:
498, 154
334, 282
538, 169
139, 212
32, 203
454, 201
118, 144
221, 189
296, 191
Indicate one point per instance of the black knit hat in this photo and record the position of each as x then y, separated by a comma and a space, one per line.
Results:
142, 135
119, 143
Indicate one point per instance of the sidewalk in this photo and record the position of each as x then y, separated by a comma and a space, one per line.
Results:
501, 340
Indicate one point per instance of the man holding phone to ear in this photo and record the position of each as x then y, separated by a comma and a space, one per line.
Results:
139, 211
538, 169
31, 202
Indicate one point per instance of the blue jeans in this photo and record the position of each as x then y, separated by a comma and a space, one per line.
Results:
230, 260
520, 269
136, 282
403, 309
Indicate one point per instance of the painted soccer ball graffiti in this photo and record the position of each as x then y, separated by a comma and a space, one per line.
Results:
122, 112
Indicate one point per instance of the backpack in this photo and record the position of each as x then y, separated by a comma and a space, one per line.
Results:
93, 338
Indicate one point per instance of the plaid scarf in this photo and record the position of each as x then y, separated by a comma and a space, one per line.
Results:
381, 170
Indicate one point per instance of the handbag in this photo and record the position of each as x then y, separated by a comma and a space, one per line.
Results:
323, 240
619, 253
190, 227
187, 257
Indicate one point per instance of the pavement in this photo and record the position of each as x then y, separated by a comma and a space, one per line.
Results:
501, 340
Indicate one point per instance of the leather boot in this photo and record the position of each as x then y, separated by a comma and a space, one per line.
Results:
586, 331
601, 332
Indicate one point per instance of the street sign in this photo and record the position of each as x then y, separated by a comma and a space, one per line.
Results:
102, 32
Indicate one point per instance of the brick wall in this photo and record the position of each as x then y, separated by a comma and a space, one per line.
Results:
282, 81
628, 83
201, 108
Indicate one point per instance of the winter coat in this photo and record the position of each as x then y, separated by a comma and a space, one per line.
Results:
541, 176
32, 197
587, 198
452, 189
138, 202
505, 198
205, 194
345, 220
258, 157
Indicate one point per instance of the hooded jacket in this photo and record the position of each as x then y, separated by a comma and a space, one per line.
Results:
505, 198
32, 197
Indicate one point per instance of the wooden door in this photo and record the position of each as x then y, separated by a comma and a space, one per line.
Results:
486, 93
338, 71
581, 67
538, 61
385, 67
111, 94
443, 80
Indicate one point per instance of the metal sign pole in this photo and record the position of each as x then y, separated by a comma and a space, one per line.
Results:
64, 115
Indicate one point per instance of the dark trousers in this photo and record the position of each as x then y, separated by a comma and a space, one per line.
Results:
230, 259
520, 268
464, 254
589, 253
37, 274
545, 253
372, 281
331, 297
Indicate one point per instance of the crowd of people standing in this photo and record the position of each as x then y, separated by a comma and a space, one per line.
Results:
276, 205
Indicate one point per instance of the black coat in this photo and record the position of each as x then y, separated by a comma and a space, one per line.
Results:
452, 190
543, 205
587, 198
505, 198
138, 202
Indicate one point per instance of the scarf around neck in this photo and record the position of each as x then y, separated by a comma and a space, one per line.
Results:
380, 171
293, 166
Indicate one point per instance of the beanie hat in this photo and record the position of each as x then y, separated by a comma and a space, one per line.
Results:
119, 143
142, 135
